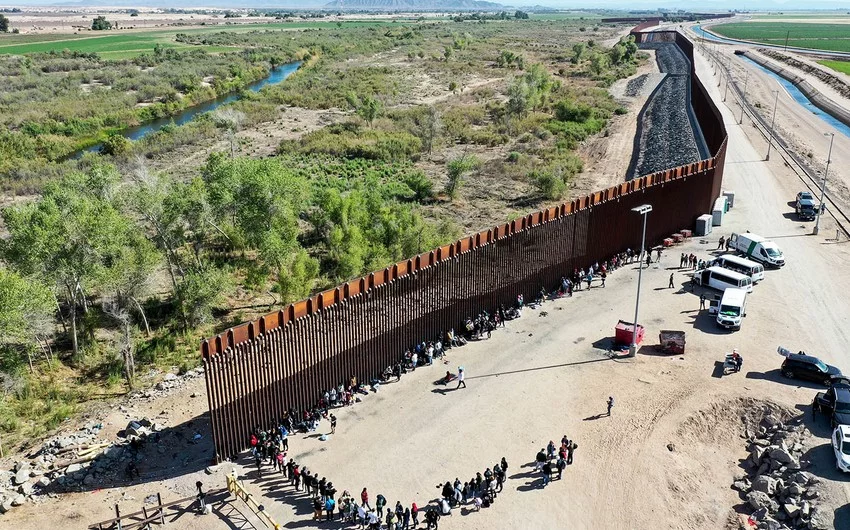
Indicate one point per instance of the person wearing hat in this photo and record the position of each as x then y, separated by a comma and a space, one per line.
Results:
460, 378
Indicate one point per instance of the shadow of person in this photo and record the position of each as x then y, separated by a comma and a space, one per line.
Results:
597, 416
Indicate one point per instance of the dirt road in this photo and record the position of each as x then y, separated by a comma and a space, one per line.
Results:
549, 374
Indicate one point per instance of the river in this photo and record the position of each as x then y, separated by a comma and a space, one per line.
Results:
276, 75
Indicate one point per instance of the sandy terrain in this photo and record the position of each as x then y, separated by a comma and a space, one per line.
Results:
548, 374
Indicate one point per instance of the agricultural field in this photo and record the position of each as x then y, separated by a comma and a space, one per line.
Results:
126, 44
838, 66
817, 36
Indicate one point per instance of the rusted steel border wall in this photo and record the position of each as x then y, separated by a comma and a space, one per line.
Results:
256, 371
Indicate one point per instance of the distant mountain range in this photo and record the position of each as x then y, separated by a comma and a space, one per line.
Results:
414, 5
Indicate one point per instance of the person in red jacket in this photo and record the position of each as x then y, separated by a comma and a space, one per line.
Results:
364, 499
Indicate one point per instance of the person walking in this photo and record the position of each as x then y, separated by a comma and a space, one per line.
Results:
561, 465
702, 301
720, 243
603, 276
547, 474
670, 285
649, 258
460, 378
364, 499
333, 424
572, 446
406, 519
610, 404
540, 459
380, 502
414, 512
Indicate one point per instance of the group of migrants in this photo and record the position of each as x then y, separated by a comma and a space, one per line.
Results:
551, 460
480, 490
270, 446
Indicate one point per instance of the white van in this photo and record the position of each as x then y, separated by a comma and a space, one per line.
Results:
733, 308
722, 279
758, 248
743, 265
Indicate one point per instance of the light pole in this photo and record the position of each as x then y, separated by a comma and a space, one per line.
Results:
772, 122
643, 210
744, 97
823, 185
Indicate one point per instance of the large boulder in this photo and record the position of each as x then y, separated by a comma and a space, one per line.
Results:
758, 500
764, 484
791, 509
782, 455
21, 476
756, 453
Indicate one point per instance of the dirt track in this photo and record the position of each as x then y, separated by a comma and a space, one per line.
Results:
543, 377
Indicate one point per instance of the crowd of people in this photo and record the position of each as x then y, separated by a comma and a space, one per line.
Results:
269, 446
552, 460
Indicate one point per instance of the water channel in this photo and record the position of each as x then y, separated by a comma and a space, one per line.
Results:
276, 75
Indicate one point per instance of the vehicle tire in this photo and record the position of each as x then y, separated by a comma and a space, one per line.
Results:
827, 382
788, 373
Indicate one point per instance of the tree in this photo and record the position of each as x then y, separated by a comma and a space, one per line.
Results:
578, 52
116, 145
4, 23
26, 311
448, 52
598, 63
100, 23
70, 237
428, 127
520, 15
200, 291
457, 170
368, 107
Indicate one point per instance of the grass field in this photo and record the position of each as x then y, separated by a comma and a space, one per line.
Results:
125, 43
838, 66
832, 37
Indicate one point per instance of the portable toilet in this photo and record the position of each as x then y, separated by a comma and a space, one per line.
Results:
718, 211
730, 199
703, 227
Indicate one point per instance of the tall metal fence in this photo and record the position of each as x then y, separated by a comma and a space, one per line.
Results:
286, 359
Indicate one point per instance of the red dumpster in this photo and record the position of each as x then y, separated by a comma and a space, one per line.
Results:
623, 333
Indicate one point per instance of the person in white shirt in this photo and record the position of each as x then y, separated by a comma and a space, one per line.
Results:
460, 377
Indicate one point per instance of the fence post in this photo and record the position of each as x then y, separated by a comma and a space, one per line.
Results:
118, 516
159, 506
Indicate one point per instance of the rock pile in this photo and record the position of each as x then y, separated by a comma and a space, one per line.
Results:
779, 492
169, 383
81, 459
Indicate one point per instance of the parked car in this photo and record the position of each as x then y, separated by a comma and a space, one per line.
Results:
835, 403
839, 380
804, 195
841, 446
802, 366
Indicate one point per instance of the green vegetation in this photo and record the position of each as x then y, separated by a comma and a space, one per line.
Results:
4, 23
124, 258
838, 66
831, 37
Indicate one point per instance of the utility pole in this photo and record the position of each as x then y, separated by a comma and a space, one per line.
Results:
772, 122
644, 210
823, 186
787, 34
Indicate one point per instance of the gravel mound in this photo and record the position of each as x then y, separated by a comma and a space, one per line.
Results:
634, 86
665, 136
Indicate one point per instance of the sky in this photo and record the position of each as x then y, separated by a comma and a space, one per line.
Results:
698, 5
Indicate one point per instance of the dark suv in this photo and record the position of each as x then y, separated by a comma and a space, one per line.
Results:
835, 403
802, 366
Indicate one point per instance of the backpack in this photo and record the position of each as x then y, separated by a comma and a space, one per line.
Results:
254, 440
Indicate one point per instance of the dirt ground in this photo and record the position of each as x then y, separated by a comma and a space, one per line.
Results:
549, 374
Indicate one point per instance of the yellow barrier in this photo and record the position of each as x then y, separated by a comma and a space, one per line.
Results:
237, 488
